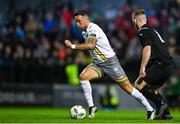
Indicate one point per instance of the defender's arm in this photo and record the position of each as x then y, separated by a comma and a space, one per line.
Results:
146, 53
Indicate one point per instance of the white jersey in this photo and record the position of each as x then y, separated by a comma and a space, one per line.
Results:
102, 50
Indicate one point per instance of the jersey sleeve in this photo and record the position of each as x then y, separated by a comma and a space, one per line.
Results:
145, 37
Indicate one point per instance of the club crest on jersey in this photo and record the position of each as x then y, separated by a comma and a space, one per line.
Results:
92, 35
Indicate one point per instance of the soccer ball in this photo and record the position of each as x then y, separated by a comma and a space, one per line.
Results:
77, 112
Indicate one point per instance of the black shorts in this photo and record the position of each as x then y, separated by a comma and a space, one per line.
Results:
158, 74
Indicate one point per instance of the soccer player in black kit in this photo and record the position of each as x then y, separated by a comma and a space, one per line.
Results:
156, 65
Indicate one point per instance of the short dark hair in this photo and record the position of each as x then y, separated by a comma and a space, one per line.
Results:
81, 12
139, 12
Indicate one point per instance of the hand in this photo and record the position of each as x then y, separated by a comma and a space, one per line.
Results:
68, 43
142, 72
138, 81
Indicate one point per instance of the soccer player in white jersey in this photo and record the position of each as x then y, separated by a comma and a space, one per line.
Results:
104, 61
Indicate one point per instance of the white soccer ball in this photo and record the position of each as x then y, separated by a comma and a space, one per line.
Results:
77, 112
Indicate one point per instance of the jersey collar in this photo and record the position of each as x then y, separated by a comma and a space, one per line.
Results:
88, 26
145, 26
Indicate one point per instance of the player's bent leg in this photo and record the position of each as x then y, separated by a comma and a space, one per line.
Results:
156, 98
166, 115
125, 85
162, 112
89, 73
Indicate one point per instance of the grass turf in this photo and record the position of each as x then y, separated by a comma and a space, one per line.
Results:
57, 115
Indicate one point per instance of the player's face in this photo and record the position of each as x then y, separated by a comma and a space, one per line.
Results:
81, 22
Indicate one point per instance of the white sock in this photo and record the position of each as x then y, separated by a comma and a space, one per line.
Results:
85, 84
141, 99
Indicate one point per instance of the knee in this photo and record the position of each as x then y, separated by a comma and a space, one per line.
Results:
139, 86
127, 87
136, 85
139, 83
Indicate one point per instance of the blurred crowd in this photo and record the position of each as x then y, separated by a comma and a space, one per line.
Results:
32, 40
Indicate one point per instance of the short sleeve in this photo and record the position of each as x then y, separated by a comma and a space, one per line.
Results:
145, 37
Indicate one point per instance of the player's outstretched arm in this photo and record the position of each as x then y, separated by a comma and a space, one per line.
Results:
90, 44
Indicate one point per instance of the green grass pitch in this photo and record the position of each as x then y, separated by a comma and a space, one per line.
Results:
57, 115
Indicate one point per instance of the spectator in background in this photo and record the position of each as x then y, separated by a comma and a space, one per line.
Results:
60, 52
20, 34
66, 16
49, 23
30, 27
173, 91
110, 12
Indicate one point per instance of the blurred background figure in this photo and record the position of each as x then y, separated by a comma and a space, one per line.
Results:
110, 99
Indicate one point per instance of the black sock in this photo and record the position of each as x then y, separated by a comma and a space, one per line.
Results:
149, 93
166, 112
